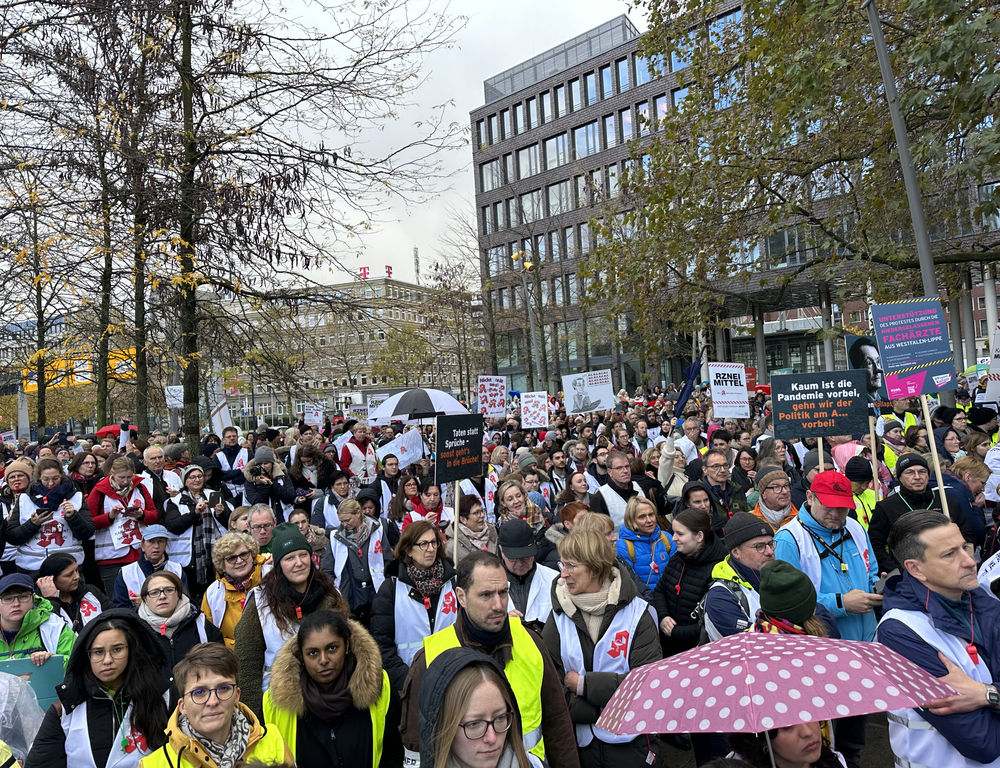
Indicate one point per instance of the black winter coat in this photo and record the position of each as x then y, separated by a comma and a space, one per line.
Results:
186, 637
383, 620
891, 508
694, 574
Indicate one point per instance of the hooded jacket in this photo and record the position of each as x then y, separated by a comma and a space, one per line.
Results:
265, 746
434, 686
598, 687
650, 552
28, 639
279, 492
907, 594
693, 574
358, 738
719, 515
101, 519
49, 747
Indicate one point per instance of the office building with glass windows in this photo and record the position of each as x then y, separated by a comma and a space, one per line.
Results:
551, 141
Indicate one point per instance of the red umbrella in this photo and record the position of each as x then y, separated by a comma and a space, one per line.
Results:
112, 430
751, 682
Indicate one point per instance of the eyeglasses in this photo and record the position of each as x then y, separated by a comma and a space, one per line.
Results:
569, 566
779, 487
761, 548
234, 559
427, 545
202, 695
715, 466
115, 651
168, 591
262, 528
11, 599
476, 729
622, 468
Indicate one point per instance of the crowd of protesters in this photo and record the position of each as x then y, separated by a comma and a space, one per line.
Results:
293, 596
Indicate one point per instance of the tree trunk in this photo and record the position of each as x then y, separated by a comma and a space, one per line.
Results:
40, 370
104, 310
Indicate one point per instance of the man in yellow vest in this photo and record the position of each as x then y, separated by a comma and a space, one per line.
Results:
483, 624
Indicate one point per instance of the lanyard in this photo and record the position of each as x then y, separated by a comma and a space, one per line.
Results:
829, 549
930, 506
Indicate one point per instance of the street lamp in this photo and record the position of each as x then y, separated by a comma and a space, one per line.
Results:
526, 267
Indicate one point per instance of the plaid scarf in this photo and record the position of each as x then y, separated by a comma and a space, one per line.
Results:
203, 535
228, 754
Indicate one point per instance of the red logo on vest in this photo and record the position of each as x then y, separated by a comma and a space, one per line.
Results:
87, 608
864, 554
449, 604
619, 646
378, 547
51, 534
130, 532
136, 741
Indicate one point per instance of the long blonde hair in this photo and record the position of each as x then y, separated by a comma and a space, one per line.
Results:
454, 704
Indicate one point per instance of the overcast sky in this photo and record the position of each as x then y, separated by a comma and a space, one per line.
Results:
498, 35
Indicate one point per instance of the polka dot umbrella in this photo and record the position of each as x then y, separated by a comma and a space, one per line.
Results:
752, 682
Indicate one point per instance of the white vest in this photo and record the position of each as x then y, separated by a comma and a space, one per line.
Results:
78, 742
134, 578
90, 609
490, 491
594, 485
610, 655
615, 503
386, 496
539, 604
50, 631
753, 603
127, 530
215, 596
376, 561
242, 458
809, 562
412, 623
363, 465
274, 637
179, 546
330, 519
915, 742
170, 479
54, 536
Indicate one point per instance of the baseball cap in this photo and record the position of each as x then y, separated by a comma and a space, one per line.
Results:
517, 540
16, 580
833, 489
156, 531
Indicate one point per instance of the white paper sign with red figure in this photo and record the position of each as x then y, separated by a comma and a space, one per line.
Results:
313, 415
590, 391
408, 448
535, 410
493, 396
729, 390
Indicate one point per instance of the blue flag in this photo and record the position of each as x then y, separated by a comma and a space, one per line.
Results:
691, 373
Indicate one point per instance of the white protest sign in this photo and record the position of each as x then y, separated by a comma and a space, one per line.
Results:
728, 382
535, 410
989, 571
493, 396
174, 396
220, 416
9, 437
993, 377
374, 401
590, 391
408, 448
313, 414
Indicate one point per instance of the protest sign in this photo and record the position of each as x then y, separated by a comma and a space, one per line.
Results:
863, 355
819, 404
359, 412
408, 448
458, 447
975, 373
535, 410
728, 382
915, 353
174, 396
374, 401
751, 374
993, 376
313, 414
493, 396
590, 391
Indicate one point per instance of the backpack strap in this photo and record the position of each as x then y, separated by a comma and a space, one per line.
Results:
630, 546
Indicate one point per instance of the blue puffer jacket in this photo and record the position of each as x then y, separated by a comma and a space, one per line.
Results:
651, 553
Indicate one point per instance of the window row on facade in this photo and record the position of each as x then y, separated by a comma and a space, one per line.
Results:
559, 245
560, 291
605, 81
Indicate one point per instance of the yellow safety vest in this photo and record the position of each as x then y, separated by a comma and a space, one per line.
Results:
287, 722
865, 505
524, 673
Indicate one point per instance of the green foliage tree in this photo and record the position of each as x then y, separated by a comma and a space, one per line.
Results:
404, 358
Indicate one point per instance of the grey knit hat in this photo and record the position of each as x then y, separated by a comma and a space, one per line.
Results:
742, 527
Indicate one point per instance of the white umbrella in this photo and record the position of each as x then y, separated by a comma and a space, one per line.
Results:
416, 405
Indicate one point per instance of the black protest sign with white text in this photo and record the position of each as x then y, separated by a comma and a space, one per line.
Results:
458, 447
819, 404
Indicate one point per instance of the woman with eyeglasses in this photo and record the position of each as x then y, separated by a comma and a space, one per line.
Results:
16, 481
470, 717
324, 509
239, 567
594, 605
168, 610
416, 599
330, 699
196, 527
112, 708
290, 591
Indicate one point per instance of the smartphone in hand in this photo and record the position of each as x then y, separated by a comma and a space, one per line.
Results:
214, 500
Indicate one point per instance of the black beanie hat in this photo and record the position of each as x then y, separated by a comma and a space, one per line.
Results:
979, 416
908, 460
742, 527
786, 592
859, 468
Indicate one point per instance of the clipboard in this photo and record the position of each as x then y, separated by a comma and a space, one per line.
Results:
43, 680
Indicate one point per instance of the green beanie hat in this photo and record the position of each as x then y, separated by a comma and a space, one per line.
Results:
287, 539
786, 592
